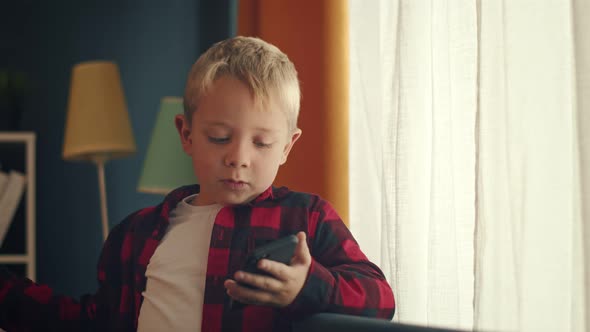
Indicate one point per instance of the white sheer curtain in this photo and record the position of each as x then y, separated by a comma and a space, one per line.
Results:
470, 159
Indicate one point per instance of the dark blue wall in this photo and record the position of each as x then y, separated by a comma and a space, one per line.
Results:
154, 43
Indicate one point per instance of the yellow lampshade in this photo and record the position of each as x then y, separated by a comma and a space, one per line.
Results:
97, 124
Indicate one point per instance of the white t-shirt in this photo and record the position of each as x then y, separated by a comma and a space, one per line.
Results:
173, 298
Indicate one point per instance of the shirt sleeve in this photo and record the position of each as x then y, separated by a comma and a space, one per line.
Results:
341, 279
29, 306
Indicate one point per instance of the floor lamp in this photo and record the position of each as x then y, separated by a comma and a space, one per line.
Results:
166, 166
97, 125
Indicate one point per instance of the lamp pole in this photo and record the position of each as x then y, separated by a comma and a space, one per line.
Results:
103, 197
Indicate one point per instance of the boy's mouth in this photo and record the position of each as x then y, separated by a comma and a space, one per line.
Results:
234, 184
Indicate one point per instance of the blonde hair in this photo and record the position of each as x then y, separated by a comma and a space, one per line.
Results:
261, 66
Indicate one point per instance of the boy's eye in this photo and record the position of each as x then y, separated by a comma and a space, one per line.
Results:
262, 145
218, 140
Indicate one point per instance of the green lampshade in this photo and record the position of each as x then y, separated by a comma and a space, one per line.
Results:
166, 166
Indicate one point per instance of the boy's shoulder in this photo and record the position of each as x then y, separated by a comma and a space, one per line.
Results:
154, 214
143, 216
290, 198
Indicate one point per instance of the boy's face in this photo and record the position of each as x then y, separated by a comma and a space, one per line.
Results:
236, 147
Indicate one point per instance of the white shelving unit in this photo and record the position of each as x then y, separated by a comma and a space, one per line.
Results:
21, 145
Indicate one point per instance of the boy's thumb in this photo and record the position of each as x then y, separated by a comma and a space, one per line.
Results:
302, 255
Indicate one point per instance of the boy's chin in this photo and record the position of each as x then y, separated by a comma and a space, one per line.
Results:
233, 199
224, 199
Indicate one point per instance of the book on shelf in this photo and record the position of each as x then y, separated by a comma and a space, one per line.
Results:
12, 186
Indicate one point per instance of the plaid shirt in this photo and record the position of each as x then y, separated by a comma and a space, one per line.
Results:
340, 279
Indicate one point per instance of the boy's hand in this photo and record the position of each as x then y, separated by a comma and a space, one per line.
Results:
279, 291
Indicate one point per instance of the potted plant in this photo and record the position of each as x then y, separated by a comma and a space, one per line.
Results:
13, 87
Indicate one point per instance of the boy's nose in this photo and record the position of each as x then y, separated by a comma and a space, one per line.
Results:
237, 156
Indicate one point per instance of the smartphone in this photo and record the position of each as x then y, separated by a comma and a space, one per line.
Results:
280, 250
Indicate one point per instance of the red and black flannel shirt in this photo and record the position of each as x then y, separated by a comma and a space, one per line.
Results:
340, 279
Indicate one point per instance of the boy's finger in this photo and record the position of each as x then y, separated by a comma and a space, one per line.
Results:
302, 255
276, 269
248, 295
263, 283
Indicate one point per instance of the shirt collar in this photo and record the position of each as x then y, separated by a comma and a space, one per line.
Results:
175, 196
267, 194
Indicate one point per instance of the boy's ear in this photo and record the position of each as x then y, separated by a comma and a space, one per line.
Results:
294, 137
184, 131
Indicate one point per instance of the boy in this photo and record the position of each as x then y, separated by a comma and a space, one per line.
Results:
176, 266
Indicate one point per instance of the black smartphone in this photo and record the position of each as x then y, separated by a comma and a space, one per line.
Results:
280, 250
